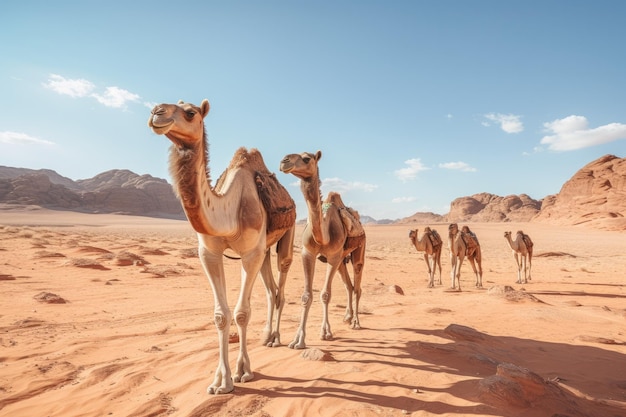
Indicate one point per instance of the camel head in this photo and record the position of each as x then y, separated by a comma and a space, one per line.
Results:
182, 123
413, 234
507, 235
303, 165
453, 229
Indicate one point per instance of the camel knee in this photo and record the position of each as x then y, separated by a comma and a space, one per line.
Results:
285, 264
221, 321
325, 297
306, 299
242, 318
358, 268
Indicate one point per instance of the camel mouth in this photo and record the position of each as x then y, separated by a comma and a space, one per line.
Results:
160, 129
286, 168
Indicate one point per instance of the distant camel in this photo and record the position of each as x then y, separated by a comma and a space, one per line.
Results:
522, 248
464, 244
431, 245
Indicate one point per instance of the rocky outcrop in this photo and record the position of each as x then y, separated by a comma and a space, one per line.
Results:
115, 191
485, 207
595, 196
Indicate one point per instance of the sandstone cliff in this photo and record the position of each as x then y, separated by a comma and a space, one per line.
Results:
595, 195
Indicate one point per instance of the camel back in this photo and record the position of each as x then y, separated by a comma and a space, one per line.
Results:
280, 208
433, 236
278, 204
470, 239
350, 218
526, 239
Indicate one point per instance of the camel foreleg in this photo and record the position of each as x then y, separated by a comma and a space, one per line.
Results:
326, 295
308, 263
214, 268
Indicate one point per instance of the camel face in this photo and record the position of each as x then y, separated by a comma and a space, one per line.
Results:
182, 123
302, 165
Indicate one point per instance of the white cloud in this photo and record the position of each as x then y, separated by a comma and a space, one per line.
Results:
72, 88
510, 123
22, 138
415, 166
572, 133
459, 166
403, 199
340, 186
115, 97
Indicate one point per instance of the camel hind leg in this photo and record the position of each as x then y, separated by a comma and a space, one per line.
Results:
430, 264
358, 262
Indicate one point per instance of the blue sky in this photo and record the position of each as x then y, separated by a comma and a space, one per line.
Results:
412, 103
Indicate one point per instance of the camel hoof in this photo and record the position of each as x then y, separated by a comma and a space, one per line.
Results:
297, 346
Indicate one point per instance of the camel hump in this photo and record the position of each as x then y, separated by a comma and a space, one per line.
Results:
278, 204
434, 237
349, 217
526, 239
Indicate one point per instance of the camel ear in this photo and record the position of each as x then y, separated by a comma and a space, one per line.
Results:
204, 107
318, 155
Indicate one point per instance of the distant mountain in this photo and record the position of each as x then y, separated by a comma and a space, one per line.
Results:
595, 195
115, 191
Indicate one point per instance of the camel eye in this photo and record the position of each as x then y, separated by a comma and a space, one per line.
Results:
190, 113
306, 159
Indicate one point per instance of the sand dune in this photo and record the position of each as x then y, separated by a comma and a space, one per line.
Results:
105, 315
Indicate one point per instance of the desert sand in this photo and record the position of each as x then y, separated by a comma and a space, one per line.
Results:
106, 315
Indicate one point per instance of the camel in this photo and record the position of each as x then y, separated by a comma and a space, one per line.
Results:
464, 244
332, 231
431, 245
247, 211
522, 248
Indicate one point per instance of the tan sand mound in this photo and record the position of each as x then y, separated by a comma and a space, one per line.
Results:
49, 298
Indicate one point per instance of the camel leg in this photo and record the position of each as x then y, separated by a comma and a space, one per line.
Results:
524, 267
457, 271
308, 263
250, 265
438, 262
269, 337
358, 261
519, 269
326, 295
214, 268
530, 264
479, 283
276, 294
453, 262
345, 277
431, 275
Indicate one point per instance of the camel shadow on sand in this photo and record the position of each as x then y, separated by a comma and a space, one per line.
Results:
501, 376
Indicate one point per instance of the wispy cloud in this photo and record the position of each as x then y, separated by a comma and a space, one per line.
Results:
112, 97
510, 123
573, 132
403, 199
116, 97
414, 167
72, 88
458, 166
341, 186
22, 139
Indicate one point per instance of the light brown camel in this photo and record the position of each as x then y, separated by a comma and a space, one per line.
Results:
327, 233
464, 244
431, 245
522, 248
247, 211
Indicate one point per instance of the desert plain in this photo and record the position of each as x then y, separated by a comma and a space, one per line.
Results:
111, 315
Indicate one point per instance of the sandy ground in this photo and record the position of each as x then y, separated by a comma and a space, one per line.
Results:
132, 333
